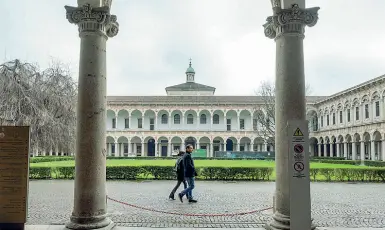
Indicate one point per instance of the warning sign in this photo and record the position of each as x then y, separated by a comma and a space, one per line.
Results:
299, 166
298, 133
298, 148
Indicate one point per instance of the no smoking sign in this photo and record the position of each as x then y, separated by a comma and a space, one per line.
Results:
299, 166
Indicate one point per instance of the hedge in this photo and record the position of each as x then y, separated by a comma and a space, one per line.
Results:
352, 162
213, 173
49, 159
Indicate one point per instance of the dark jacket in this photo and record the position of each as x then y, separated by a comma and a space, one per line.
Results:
180, 169
189, 168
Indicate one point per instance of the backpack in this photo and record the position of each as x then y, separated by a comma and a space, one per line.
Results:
178, 164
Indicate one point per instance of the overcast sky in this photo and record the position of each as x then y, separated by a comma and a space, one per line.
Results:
224, 38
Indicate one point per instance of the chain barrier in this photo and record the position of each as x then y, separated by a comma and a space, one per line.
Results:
187, 214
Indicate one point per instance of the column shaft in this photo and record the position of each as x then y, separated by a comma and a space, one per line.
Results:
287, 27
372, 150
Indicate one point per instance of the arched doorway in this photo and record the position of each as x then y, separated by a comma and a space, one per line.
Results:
151, 147
229, 145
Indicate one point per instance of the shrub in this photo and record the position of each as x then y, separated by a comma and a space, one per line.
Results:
40, 173
50, 159
349, 174
351, 162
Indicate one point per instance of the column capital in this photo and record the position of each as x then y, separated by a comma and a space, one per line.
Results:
290, 21
93, 20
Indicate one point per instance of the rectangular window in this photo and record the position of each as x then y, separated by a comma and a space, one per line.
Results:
140, 125
125, 147
138, 149
228, 124
114, 123
327, 120
348, 115
126, 123
322, 121
112, 147
242, 123
340, 116
242, 148
377, 108
334, 118
357, 113
152, 126
190, 119
366, 111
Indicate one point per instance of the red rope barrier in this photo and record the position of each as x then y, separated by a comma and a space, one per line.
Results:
187, 214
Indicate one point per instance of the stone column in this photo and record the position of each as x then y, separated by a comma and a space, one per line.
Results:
345, 150
372, 150
211, 121
129, 147
169, 151
155, 121
319, 150
142, 150
362, 152
382, 149
117, 149
287, 26
325, 152
338, 149
109, 151
331, 149
95, 24
354, 151
211, 149
156, 150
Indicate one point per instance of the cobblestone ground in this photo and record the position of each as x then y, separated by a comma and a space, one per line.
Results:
333, 204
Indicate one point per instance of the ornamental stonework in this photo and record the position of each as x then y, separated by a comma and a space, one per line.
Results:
93, 20
290, 21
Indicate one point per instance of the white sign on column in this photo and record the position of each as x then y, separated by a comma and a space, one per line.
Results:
300, 207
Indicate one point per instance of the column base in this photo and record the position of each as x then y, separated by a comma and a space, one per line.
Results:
281, 222
88, 223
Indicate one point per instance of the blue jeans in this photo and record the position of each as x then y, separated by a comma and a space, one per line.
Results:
188, 190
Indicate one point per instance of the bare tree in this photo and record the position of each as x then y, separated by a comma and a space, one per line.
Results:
265, 113
44, 100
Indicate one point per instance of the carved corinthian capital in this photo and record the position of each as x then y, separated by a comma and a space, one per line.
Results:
290, 21
93, 20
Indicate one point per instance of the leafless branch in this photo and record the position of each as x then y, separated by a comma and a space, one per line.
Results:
44, 100
265, 112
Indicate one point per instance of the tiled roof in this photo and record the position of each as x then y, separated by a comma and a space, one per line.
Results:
190, 86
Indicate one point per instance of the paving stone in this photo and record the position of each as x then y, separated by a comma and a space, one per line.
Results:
333, 204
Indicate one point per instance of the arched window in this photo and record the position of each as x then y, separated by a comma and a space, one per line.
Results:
176, 119
190, 119
203, 119
216, 119
164, 119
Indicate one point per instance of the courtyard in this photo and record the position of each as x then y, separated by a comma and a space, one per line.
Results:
351, 205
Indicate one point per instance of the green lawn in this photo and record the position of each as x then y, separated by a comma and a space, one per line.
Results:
198, 163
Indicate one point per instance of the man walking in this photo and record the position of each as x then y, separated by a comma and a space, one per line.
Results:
179, 169
189, 173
